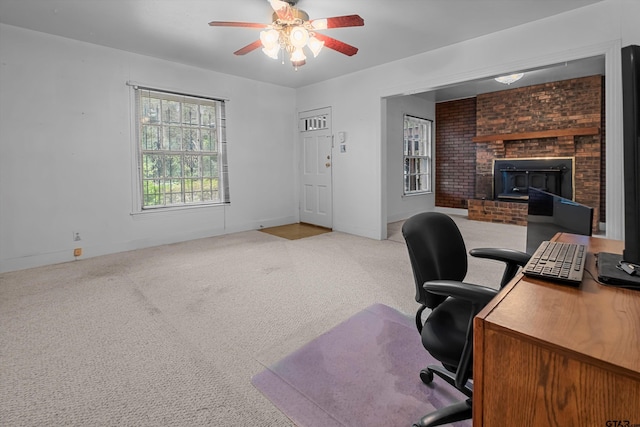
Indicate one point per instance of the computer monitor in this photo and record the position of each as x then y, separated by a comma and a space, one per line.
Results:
612, 268
548, 214
631, 135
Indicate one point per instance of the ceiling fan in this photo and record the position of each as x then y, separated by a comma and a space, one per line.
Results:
291, 30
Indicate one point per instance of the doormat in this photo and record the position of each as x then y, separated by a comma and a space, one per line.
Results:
363, 372
296, 231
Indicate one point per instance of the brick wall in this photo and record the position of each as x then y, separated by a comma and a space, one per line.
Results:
455, 153
574, 103
558, 105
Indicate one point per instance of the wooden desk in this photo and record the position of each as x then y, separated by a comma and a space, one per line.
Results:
547, 354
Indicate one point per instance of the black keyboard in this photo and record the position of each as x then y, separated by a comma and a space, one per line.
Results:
558, 261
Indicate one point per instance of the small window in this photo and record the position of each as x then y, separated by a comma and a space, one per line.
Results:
417, 155
315, 123
181, 149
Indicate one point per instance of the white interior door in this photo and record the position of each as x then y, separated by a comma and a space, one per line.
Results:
316, 162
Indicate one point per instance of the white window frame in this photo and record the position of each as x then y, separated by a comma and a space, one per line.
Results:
417, 157
201, 176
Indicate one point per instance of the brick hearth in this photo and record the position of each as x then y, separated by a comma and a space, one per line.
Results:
498, 211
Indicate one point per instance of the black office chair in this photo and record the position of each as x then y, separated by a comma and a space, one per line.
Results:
439, 262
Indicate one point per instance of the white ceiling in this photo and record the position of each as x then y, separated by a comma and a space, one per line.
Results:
177, 30
552, 73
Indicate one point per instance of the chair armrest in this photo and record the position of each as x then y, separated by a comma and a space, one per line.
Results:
501, 254
475, 294
513, 260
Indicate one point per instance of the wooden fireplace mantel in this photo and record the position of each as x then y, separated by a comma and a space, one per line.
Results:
539, 134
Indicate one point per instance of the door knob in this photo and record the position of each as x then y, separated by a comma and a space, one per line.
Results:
327, 164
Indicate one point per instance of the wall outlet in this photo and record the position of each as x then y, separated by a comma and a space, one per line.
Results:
77, 252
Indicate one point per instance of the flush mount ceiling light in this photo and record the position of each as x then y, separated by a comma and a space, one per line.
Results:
511, 78
291, 31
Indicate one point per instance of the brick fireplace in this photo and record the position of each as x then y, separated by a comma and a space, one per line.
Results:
554, 120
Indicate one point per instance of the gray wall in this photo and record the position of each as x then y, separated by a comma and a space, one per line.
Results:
401, 207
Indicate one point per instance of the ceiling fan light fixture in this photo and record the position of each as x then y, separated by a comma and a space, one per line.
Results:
298, 64
320, 24
299, 37
272, 52
270, 39
315, 45
511, 78
298, 55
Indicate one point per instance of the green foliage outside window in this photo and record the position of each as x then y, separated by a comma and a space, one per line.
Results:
179, 149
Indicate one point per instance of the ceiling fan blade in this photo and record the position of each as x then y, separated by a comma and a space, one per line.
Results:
337, 45
248, 48
282, 9
338, 22
237, 24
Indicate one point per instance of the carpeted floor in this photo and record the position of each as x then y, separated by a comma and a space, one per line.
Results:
172, 335
296, 231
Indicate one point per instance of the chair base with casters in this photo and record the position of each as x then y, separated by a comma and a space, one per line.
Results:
426, 375
457, 412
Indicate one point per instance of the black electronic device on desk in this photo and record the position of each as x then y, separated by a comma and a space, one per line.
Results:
615, 269
549, 214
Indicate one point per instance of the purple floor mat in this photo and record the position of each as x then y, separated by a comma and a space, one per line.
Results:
363, 372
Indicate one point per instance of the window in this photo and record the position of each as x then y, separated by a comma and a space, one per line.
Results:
181, 149
315, 123
417, 155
